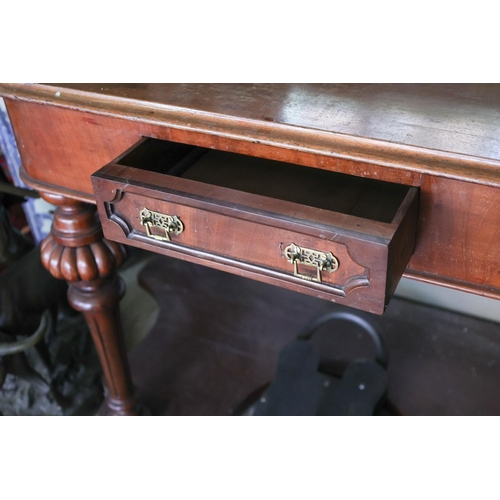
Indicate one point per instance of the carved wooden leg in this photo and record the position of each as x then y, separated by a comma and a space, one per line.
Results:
77, 252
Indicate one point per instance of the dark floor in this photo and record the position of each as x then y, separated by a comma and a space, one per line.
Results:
218, 336
215, 340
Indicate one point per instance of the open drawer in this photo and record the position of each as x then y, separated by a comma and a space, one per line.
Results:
334, 236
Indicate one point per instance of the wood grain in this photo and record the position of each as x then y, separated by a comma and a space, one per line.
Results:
64, 139
76, 251
463, 243
249, 232
450, 130
71, 145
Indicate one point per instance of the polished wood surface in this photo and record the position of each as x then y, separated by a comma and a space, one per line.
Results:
458, 235
54, 147
76, 251
434, 128
369, 226
71, 135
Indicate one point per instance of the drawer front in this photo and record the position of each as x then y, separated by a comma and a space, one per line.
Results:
243, 240
332, 256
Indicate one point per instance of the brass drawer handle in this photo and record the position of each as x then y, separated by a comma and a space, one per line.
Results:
312, 258
168, 223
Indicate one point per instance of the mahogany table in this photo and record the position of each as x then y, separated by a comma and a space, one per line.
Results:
438, 146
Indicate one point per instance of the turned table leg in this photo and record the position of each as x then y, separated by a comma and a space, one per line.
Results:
77, 251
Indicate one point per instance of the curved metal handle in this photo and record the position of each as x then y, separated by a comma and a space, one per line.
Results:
8, 348
381, 355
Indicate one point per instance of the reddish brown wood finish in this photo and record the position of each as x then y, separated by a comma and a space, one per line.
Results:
77, 252
443, 138
464, 243
247, 233
70, 144
445, 130
53, 147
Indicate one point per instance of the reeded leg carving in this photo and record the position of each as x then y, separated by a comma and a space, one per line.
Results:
77, 252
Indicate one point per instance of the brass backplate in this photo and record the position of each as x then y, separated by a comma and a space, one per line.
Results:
321, 261
171, 224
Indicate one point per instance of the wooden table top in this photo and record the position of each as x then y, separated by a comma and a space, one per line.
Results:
444, 139
450, 129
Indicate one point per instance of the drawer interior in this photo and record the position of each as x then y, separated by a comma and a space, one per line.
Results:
357, 196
